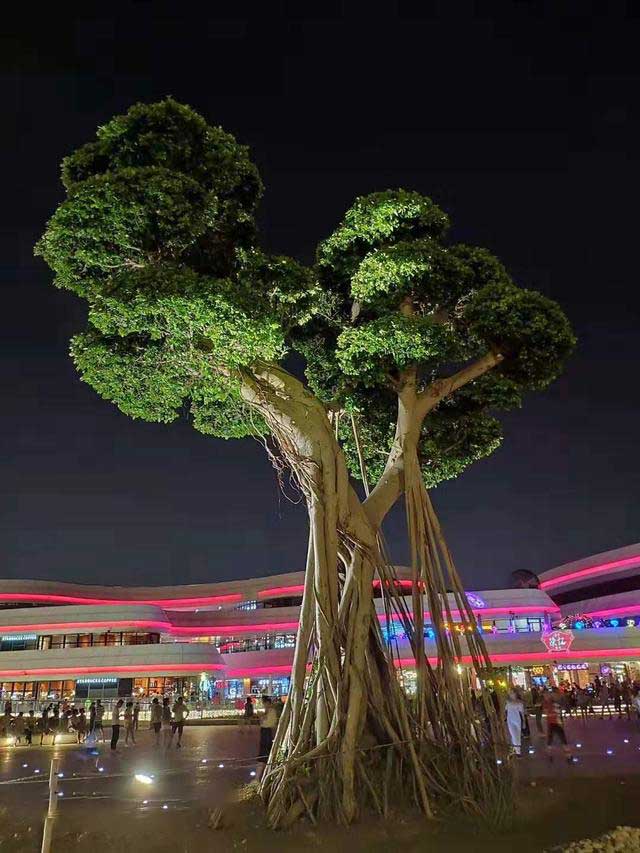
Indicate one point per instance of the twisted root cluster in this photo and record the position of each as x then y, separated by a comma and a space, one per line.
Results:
350, 738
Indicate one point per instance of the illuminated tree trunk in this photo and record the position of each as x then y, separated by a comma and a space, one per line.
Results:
349, 736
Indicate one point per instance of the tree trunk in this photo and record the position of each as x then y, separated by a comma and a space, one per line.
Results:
349, 735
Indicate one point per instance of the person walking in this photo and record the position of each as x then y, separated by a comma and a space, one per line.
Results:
636, 705
166, 722
583, 704
551, 704
30, 727
43, 726
53, 725
536, 701
92, 717
268, 723
136, 716
627, 696
129, 734
81, 726
248, 713
18, 728
617, 699
116, 716
514, 712
98, 727
156, 719
604, 698
180, 714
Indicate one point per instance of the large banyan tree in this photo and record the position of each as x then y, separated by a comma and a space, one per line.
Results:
412, 345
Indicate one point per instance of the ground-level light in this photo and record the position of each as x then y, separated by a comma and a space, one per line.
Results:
144, 778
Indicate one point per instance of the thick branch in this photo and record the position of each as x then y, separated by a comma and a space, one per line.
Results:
441, 388
390, 486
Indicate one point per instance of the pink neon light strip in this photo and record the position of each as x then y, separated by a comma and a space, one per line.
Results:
523, 657
217, 630
532, 657
258, 670
159, 602
85, 626
631, 610
280, 590
592, 570
95, 670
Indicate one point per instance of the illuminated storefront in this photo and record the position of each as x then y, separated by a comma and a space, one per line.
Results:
221, 642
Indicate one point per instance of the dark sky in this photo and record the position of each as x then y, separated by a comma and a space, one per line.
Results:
522, 121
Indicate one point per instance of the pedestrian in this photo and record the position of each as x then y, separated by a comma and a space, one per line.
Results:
128, 725
53, 725
136, 716
536, 701
43, 726
583, 704
636, 705
555, 728
5, 723
81, 726
166, 722
92, 717
604, 700
115, 723
248, 713
268, 723
180, 714
156, 719
18, 728
617, 699
98, 726
514, 712
627, 696
30, 727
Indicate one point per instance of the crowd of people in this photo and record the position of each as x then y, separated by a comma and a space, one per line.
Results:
87, 724
554, 704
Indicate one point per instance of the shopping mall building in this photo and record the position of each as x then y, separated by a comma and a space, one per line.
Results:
223, 641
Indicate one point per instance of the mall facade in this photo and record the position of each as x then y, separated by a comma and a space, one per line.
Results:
220, 642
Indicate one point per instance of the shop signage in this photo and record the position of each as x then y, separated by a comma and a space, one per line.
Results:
558, 641
537, 670
605, 669
571, 667
8, 637
97, 680
475, 600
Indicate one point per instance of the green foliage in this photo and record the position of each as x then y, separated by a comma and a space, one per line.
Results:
453, 438
157, 234
530, 330
129, 220
375, 220
369, 352
401, 297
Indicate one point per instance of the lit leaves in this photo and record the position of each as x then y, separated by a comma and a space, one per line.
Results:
370, 352
530, 330
124, 221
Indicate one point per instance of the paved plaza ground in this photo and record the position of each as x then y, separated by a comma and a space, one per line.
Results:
104, 808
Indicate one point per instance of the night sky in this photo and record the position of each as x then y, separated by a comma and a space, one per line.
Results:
522, 123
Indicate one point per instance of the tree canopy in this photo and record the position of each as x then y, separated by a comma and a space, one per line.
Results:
158, 234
